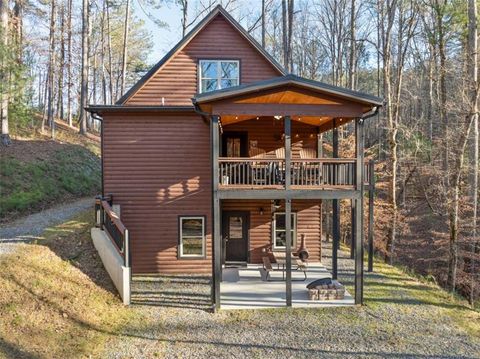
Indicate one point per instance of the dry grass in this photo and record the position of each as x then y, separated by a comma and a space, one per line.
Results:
56, 299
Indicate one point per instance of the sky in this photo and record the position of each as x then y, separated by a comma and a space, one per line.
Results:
166, 38
163, 38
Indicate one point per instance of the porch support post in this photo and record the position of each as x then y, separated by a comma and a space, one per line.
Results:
288, 211
335, 210
359, 182
371, 193
319, 143
352, 240
216, 236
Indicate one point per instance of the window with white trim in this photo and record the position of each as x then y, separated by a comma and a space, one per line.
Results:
278, 229
192, 237
218, 74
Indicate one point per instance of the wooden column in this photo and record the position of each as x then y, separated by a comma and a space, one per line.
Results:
371, 198
359, 176
288, 211
335, 211
216, 236
319, 144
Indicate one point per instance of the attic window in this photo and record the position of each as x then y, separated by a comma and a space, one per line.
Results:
218, 74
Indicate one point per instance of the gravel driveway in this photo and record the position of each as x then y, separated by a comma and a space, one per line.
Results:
29, 228
176, 324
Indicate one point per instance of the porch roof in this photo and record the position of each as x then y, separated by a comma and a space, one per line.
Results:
308, 101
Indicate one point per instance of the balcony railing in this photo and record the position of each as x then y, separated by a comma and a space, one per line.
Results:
109, 221
270, 173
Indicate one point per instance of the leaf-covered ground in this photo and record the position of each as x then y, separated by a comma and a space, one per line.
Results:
36, 172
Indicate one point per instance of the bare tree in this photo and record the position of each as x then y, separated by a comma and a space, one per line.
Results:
125, 47
84, 70
351, 71
473, 62
51, 69
4, 87
69, 63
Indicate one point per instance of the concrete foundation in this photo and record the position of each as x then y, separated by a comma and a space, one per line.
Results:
113, 263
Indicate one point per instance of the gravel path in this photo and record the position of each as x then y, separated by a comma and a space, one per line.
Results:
176, 324
31, 227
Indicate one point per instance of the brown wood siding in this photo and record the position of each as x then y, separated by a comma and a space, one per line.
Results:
158, 167
260, 234
177, 80
268, 132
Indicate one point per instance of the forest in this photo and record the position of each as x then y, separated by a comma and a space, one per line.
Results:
421, 56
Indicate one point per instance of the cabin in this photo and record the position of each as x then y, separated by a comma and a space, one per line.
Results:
213, 162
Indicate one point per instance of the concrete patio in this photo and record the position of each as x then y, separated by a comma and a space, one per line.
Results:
246, 288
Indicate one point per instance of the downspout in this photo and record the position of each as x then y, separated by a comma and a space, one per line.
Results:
371, 113
196, 107
95, 116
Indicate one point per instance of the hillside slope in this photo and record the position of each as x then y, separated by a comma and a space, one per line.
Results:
36, 171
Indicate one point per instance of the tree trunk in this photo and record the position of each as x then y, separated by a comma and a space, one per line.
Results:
263, 23
110, 69
473, 74
69, 64
351, 77
61, 70
84, 78
125, 48
184, 5
285, 34
4, 81
51, 70
290, 33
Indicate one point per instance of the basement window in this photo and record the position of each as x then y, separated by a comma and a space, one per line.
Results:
192, 237
279, 233
218, 74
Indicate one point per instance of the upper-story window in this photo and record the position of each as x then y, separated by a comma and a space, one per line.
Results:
218, 74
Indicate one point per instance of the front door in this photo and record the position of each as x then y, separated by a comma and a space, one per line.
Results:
235, 235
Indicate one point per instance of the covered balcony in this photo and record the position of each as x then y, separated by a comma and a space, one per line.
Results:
266, 145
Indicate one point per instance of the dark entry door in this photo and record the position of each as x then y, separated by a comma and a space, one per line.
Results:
235, 235
234, 144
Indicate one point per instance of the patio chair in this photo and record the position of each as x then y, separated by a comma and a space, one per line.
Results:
302, 266
267, 267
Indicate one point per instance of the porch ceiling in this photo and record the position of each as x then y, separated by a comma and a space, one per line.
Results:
303, 100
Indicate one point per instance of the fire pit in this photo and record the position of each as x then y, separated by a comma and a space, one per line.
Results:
325, 289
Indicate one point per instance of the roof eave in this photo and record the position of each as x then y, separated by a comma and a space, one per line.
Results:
101, 109
287, 80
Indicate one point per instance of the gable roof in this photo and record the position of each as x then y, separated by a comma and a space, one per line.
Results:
219, 10
290, 79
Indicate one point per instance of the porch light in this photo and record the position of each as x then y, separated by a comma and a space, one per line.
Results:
261, 211
276, 204
277, 117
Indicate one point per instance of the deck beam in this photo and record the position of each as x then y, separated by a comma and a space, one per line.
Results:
287, 194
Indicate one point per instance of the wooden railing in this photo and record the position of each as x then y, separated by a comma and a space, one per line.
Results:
109, 221
318, 172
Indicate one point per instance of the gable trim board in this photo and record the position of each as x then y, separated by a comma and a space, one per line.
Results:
219, 10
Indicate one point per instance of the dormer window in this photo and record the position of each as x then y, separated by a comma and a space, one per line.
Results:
218, 74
